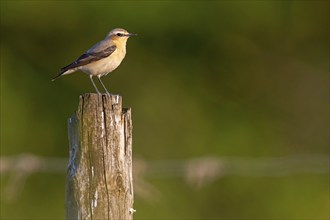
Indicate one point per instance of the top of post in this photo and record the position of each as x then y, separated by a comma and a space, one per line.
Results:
106, 100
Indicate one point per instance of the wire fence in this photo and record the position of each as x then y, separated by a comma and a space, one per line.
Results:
197, 172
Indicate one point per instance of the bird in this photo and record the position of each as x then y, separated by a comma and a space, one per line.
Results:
102, 58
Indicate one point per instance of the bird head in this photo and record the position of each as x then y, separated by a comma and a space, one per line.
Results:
119, 34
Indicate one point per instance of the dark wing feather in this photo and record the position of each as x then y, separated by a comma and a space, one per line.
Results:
87, 58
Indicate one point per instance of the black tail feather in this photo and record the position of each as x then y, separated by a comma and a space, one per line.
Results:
59, 75
63, 70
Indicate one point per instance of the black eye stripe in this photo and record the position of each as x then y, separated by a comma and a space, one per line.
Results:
119, 34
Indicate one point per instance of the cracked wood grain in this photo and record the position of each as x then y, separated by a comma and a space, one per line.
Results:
99, 181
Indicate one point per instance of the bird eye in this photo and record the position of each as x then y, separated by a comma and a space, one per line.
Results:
119, 34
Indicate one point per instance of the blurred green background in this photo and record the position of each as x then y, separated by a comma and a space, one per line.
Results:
205, 79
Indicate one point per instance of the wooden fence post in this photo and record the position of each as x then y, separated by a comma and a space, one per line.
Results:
99, 181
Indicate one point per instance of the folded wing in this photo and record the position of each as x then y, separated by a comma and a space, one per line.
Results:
88, 57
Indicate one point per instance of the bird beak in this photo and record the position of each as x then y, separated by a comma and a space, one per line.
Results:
130, 34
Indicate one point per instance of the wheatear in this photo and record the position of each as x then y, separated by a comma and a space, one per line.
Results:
102, 58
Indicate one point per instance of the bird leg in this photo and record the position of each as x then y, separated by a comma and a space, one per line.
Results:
91, 77
99, 78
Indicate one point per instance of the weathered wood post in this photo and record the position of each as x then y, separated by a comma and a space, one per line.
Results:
99, 177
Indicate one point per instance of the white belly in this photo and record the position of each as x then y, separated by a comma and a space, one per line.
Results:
104, 66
